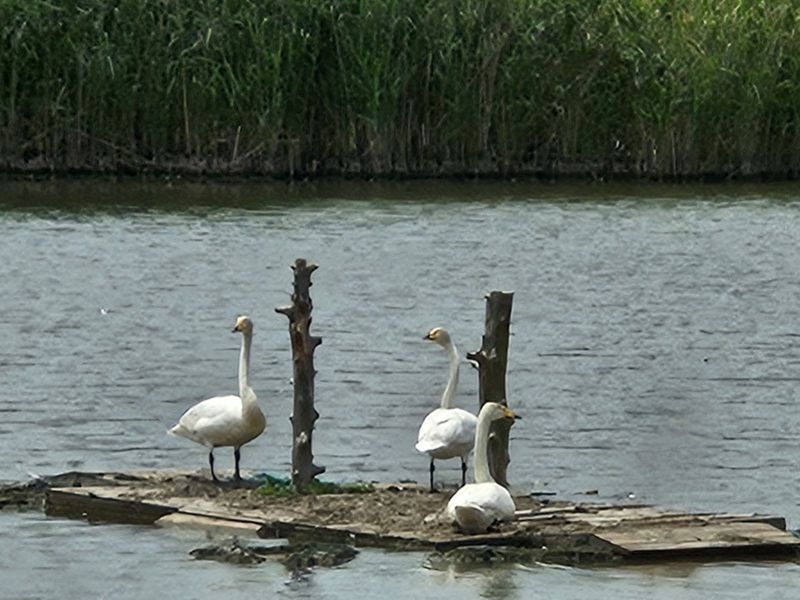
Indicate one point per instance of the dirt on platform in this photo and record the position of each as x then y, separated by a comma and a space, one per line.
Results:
387, 508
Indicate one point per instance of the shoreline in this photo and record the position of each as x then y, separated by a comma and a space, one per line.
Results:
203, 170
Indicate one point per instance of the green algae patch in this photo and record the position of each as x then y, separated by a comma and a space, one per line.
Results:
282, 486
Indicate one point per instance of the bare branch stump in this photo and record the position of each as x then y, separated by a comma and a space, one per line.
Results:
303, 344
492, 361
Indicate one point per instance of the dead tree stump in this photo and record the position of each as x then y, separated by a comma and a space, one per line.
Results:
492, 361
303, 344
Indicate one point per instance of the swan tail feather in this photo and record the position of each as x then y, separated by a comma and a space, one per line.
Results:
427, 446
180, 431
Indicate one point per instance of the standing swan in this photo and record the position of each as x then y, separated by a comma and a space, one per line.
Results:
475, 507
447, 432
226, 420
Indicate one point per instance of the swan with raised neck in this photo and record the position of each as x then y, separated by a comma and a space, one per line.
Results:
447, 432
227, 420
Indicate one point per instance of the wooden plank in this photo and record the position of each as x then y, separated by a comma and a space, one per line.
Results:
586, 509
305, 531
206, 522
210, 508
83, 504
711, 537
613, 516
644, 520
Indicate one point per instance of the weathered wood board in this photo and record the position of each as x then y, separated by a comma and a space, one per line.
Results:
405, 517
709, 537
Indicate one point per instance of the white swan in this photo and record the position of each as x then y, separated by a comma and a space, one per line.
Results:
226, 420
477, 506
447, 432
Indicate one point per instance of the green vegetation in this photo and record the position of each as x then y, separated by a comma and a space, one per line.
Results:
658, 88
280, 486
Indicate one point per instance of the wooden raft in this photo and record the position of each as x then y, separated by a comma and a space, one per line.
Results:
572, 532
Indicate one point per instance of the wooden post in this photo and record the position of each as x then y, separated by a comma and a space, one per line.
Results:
303, 344
492, 361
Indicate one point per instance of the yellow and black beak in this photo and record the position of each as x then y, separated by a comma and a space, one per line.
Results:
510, 414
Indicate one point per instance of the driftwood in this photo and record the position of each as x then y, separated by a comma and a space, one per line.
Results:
492, 360
303, 344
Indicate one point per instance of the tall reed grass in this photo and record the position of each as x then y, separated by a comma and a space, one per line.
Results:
660, 88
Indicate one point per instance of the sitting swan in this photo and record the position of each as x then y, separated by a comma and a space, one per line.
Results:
447, 432
226, 420
477, 506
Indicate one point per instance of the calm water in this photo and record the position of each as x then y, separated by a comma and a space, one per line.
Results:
655, 355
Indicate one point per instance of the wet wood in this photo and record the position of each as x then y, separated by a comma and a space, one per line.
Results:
304, 415
406, 517
238, 528
492, 361
97, 504
689, 538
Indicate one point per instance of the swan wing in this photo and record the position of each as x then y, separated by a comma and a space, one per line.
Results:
476, 506
447, 431
472, 519
211, 421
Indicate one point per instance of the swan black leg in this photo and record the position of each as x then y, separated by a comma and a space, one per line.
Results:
463, 472
236, 456
211, 462
433, 489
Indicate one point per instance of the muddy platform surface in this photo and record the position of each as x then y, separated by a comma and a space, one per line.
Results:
407, 516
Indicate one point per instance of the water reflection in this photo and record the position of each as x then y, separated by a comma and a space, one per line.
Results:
495, 580
499, 584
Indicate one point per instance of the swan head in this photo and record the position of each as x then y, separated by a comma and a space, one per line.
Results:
243, 325
438, 335
494, 412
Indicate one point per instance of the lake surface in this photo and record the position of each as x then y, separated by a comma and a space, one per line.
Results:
655, 356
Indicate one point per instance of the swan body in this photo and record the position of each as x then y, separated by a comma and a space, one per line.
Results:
477, 506
447, 432
226, 420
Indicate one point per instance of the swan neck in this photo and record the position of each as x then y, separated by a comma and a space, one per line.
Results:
244, 366
449, 395
482, 472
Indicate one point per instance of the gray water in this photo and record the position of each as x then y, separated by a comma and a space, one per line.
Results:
655, 356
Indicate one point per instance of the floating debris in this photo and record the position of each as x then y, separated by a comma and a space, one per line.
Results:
295, 557
232, 553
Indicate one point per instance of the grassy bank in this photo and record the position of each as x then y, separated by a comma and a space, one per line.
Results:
641, 87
